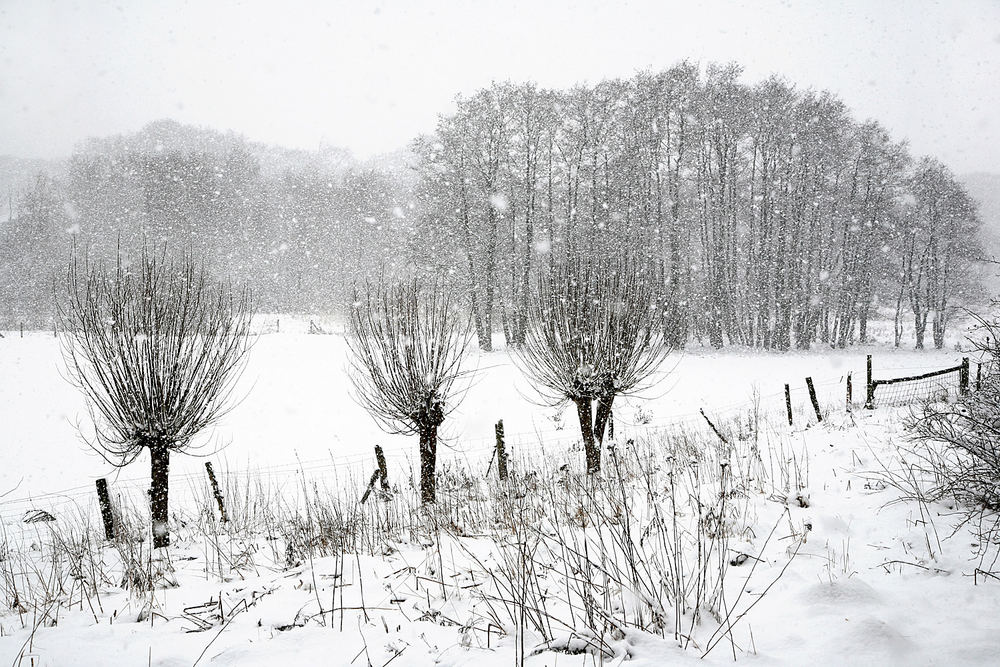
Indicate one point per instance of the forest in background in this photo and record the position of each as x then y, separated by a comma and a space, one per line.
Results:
775, 218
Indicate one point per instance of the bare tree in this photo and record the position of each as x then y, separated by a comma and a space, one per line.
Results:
156, 348
595, 332
407, 343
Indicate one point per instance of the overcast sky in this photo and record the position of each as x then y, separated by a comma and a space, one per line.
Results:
372, 75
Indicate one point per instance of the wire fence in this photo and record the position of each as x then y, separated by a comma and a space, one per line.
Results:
470, 451
936, 388
937, 385
556, 440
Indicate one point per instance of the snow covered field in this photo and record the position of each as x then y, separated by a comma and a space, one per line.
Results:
849, 578
297, 405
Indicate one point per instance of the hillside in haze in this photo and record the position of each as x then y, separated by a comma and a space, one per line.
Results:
17, 175
985, 189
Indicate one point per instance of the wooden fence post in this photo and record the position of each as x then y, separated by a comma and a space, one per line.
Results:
869, 387
963, 377
216, 491
381, 472
383, 469
788, 403
979, 376
371, 485
22, 329
812, 397
104, 499
850, 392
501, 453
714, 429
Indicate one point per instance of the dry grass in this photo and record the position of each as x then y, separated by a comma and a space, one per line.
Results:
553, 559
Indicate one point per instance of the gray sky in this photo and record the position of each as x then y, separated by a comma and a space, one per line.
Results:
372, 75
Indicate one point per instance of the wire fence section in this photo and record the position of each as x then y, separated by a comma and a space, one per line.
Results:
334, 470
934, 386
558, 440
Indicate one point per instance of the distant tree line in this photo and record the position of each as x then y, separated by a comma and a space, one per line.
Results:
302, 227
778, 221
775, 219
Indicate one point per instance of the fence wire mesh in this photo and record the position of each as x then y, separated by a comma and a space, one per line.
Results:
940, 387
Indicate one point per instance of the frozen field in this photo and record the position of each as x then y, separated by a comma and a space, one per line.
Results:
297, 406
850, 578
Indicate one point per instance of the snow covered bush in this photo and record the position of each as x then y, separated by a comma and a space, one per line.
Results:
952, 454
964, 457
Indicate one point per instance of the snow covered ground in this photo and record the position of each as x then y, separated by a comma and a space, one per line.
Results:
850, 577
297, 405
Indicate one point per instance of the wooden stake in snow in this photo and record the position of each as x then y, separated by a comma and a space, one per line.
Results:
850, 393
812, 397
381, 473
104, 500
869, 388
979, 376
788, 403
383, 469
963, 377
371, 485
216, 491
714, 429
501, 453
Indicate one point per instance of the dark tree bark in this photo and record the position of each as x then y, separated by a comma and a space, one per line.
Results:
159, 471
428, 463
483, 334
490, 276
428, 423
603, 415
584, 411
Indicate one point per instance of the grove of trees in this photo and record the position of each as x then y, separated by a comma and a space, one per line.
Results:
775, 218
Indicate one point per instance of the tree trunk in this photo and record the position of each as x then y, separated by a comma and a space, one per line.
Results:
584, 411
159, 469
529, 248
782, 339
940, 320
898, 318
428, 463
602, 417
715, 314
677, 329
530, 175
919, 325
483, 338
489, 275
